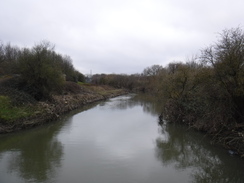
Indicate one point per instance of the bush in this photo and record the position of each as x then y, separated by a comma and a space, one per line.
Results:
40, 71
208, 95
226, 58
72, 87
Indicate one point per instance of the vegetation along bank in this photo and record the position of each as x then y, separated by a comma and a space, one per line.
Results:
205, 92
38, 85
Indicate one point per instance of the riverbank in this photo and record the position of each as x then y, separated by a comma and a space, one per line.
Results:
229, 136
46, 111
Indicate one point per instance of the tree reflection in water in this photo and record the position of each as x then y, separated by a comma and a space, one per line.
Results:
33, 155
188, 149
149, 103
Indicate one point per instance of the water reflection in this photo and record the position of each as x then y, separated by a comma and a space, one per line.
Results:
187, 149
149, 103
114, 141
34, 155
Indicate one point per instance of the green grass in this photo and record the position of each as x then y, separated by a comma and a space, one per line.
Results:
107, 92
100, 89
83, 84
9, 113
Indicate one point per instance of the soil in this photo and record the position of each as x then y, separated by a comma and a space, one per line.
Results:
48, 111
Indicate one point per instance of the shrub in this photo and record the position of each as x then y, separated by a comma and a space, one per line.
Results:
39, 71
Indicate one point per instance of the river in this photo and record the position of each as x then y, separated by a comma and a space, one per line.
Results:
115, 141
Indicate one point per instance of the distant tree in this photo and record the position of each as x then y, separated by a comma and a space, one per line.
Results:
173, 67
80, 77
153, 70
67, 68
8, 59
152, 77
1, 53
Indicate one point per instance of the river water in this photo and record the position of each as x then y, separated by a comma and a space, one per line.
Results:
115, 141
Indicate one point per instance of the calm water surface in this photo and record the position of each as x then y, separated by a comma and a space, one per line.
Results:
116, 141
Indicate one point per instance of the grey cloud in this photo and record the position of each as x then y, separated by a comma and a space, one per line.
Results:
119, 36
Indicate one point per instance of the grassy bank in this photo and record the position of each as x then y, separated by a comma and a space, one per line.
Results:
17, 117
10, 113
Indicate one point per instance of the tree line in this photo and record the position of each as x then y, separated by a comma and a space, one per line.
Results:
206, 92
40, 70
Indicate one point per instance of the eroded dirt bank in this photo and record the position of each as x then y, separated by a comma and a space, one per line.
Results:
48, 111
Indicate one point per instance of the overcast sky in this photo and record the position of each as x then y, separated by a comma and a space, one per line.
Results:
119, 36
